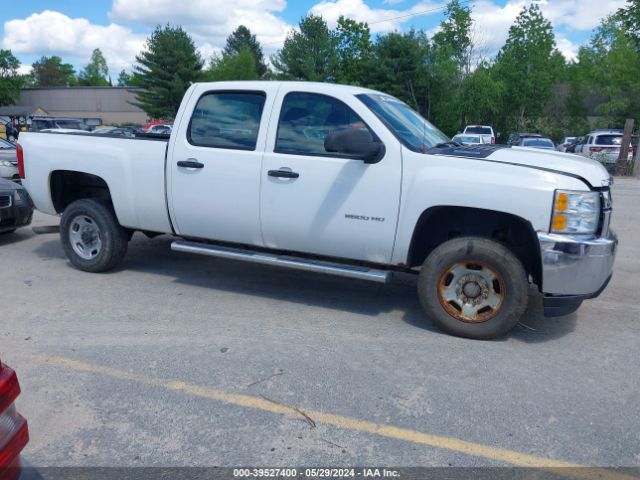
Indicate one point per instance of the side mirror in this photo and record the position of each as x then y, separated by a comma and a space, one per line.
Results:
354, 142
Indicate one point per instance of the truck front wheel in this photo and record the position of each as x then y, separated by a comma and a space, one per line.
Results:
473, 287
92, 238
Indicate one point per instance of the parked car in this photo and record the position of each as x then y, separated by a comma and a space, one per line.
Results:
574, 144
8, 161
516, 137
468, 139
566, 141
16, 209
65, 130
536, 142
603, 145
148, 126
116, 131
340, 180
485, 130
47, 123
14, 431
160, 129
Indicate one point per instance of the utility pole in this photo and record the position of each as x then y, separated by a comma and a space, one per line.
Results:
622, 163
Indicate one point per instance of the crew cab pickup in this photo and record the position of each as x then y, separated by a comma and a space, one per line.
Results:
340, 180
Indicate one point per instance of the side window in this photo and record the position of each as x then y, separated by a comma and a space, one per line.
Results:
307, 118
227, 120
590, 140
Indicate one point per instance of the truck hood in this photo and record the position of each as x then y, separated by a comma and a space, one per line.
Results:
591, 172
564, 163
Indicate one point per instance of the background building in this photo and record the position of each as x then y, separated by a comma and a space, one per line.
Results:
111, 104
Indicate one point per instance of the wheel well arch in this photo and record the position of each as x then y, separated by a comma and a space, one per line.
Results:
67, 186
438, 224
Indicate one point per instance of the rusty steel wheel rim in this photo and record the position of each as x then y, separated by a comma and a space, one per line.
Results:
471, 291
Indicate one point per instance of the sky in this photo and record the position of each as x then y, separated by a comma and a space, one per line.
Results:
73, 28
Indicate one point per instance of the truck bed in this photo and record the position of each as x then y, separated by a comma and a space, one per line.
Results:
119, 161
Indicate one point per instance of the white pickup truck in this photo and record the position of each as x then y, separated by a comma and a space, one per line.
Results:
340, 180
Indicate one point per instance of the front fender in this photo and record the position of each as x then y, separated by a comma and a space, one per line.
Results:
430, 180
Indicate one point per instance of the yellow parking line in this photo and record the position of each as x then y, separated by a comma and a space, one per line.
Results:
389, 431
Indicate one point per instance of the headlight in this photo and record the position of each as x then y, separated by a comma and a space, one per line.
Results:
575, 212
5, 163
20, 197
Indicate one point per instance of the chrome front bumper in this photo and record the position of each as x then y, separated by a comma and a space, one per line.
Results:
576, 264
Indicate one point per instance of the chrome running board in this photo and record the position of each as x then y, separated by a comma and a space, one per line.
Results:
362, 273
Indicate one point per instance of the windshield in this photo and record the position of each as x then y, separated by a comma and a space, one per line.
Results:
466, 139
5, 144
409, 127
478, 130
537, 143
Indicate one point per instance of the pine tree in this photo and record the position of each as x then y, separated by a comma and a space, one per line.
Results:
240, 66
309, 54
242, 38
165, 70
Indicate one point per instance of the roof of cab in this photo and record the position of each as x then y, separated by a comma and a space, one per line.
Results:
293, 85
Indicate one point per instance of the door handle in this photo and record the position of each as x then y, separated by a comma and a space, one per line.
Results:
283, 174
191, 163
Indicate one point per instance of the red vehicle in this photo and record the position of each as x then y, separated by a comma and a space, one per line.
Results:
14, 433
150, 125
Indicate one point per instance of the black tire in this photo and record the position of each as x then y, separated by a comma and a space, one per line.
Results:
455, 259
113, 238
7, 232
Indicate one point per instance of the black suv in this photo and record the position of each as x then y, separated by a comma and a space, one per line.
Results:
15, 206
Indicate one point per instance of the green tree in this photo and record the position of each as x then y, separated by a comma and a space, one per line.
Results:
240, 66
630, 16
241, 39
124, 79
95, 74
165, 70
354, 51
10, 81
524, 66
309, 54
453, 42
399, 67
609, 69
51, 72
448, 63
479, 97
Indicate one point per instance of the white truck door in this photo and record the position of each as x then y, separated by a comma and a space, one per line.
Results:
317, 202
214, 164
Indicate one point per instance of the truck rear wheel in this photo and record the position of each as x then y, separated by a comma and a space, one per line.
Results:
473, 287
92, 238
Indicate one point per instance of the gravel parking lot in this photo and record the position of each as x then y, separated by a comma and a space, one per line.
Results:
177, 359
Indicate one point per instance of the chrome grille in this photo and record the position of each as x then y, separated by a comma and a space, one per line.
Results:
5, 201
606, 207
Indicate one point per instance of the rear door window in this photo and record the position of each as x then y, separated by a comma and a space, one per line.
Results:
227, 120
